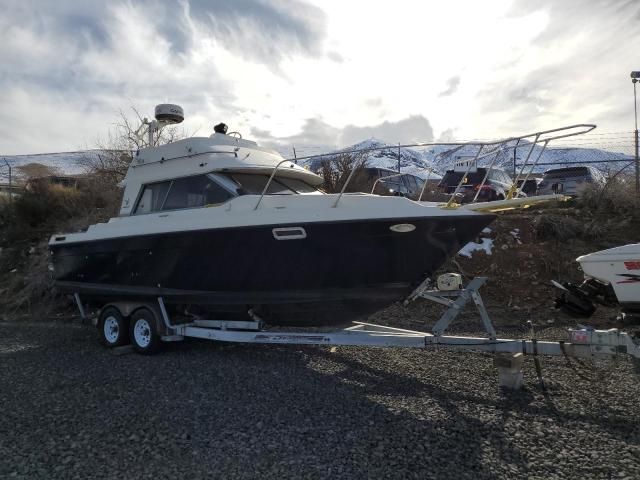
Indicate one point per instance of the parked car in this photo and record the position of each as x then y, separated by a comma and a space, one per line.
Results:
390, 183
569, 180
530, 186
495, 186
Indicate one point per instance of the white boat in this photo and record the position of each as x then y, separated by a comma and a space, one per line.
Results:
611, 277
618, 267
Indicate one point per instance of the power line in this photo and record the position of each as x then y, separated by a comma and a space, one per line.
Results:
92, 150
559, 163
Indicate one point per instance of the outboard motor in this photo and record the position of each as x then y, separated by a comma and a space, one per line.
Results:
580, 300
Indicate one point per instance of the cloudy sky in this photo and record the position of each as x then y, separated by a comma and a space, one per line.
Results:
315, 73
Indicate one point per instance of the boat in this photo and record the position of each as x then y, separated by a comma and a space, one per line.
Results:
220, 227
205, 221
611, 278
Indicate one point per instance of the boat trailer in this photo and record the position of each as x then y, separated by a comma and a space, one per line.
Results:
147, 331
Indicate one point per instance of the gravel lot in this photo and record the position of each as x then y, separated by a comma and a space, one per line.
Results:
71, 409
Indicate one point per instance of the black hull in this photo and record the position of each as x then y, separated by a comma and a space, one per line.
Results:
341, 270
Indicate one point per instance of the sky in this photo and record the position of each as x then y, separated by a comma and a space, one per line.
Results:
315, 74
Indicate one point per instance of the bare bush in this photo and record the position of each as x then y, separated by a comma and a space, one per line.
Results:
336, 172
617, 197
110, 161
569, 226
35, 170
26, 284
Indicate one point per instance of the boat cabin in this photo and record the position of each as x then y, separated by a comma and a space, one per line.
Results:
200, 172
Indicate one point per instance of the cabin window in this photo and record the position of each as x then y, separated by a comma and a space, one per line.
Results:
297, 185
191, 192
254, 184
152, 197
410, 180
188, 192
388, 178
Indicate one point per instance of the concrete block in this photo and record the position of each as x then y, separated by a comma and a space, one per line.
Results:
510, 361
509, 367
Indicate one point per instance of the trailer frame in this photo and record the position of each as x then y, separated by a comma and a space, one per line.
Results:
581, 342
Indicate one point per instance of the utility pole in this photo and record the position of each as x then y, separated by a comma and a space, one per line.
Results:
634, 78
10, 186
515, 149
398, 157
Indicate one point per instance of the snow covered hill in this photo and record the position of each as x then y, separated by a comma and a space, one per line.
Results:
442, 157
551, 157
65, 163
412, 160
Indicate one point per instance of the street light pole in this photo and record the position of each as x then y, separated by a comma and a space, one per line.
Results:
634, 79
10, 186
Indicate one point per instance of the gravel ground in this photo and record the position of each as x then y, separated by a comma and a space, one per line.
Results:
71, 409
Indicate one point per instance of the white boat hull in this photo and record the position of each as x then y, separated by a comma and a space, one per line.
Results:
618, 267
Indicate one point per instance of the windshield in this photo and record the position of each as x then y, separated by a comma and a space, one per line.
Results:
567, 172
253, 184
451, 178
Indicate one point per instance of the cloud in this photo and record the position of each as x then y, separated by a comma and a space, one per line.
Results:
262, 30
576, 68
87, 60
68, 66
602, 19
452, 86
319, 134
446, 136
335, 56
314, 132
413, 129
374, 102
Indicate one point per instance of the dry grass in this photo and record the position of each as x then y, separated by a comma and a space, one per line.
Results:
573, 224
599, 213
617, 197
26, 284
28, 287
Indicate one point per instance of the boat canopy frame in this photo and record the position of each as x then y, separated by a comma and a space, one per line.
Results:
485, 149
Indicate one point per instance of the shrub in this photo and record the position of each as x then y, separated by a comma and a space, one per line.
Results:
25, 281
617, 197
568, 227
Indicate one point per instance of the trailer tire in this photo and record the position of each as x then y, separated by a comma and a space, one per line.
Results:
144, 331
113, 328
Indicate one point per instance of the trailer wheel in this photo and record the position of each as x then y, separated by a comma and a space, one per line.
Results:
113, 327
143, 332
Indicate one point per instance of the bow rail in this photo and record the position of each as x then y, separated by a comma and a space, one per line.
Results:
485, 149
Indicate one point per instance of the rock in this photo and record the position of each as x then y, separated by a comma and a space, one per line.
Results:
251, 411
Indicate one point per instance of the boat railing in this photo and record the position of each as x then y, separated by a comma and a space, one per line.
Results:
485, 150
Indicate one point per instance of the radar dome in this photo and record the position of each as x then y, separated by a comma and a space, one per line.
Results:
169, 113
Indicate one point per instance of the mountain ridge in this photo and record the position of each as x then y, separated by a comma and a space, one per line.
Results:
416, 160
